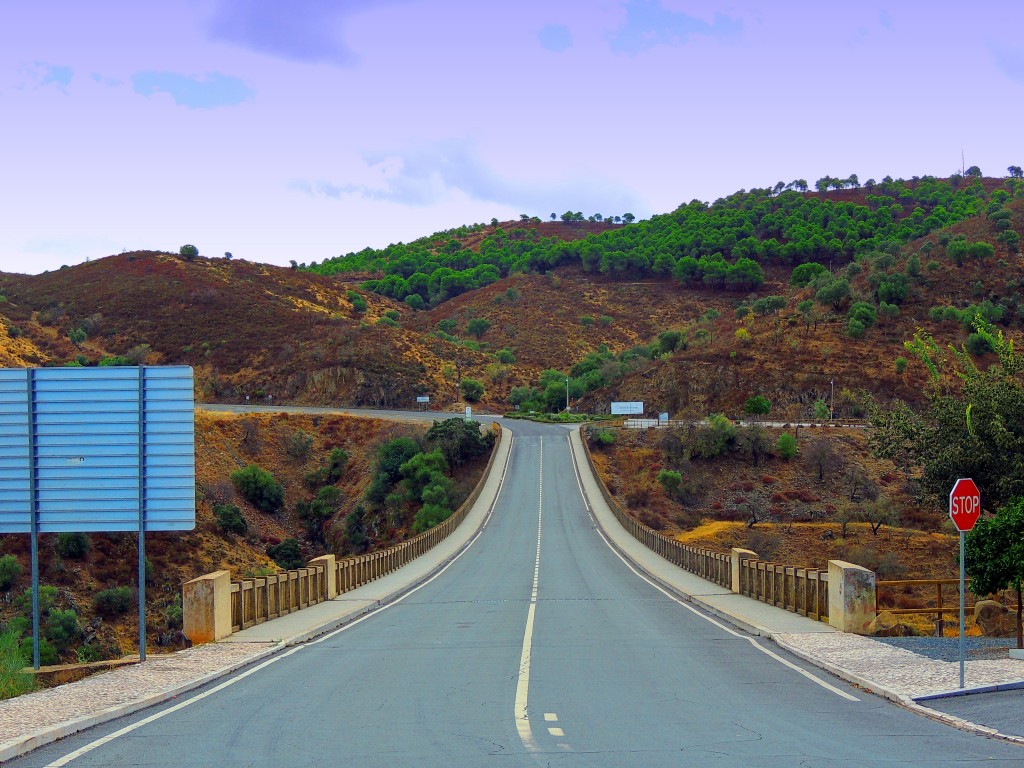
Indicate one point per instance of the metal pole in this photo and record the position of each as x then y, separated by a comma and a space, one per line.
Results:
566, 394
33, 500
832, 408
961, 609
142, 513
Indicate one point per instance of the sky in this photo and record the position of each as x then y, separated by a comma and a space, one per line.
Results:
307, 129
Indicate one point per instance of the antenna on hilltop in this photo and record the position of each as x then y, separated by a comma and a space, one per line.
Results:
963, 165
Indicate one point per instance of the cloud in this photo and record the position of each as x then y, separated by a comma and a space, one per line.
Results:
1010, 62
110, 82
555, 38
212, 90
649, 24
431, 175
307, 31
39, 74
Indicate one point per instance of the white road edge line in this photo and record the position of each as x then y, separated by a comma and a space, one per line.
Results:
670, 596
216, 689
522, 715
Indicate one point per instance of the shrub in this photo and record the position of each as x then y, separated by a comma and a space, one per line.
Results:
189, 251
586, 320
287, 554
602, 438
300, 445
414, 301
259, 488
388, 322
73, 545
505, 356
743, 336
89, 653
13, 682
977, 344
62, 628
670, 480
901, 364
229, 519
472, 390
10, 570
478, 326
47, 653
113, 602
785, 446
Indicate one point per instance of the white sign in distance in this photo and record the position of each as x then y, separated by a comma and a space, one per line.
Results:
423, 398
627, 408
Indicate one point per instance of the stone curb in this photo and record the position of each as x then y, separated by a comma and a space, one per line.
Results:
42, 737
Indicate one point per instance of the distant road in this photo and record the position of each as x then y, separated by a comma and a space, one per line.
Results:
537, 646
368, 412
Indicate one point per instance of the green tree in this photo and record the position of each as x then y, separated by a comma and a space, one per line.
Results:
821, 410
973, 425
835, 293
786, 446
994, 555
758, 405
189, 251
458, 440
77, 336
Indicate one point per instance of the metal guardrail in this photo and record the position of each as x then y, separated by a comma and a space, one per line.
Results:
256, 600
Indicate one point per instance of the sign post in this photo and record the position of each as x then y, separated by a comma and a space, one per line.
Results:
964, 511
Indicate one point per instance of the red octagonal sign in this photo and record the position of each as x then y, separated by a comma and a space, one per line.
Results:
964, 504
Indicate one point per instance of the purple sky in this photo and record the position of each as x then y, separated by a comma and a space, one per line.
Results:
310, 128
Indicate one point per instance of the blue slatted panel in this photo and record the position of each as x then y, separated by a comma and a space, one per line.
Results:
89, 454
15, 445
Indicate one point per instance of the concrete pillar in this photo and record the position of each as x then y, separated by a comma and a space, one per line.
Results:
328, 561
206, 607
738, 554
851, 597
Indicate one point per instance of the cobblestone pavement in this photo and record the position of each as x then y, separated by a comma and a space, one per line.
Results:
156, 680
886, 669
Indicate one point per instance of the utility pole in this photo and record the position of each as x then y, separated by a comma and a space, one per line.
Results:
566, 394
832, 408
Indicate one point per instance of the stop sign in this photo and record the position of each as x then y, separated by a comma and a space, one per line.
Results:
964, 504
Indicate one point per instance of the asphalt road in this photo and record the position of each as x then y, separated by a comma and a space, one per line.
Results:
538, 646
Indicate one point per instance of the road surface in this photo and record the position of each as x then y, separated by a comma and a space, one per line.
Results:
537, 646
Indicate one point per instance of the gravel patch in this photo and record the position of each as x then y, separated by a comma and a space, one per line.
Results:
33, 712
948, 648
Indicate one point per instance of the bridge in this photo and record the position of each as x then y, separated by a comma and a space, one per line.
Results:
540, 641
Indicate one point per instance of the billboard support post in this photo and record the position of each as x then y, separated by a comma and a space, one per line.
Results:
142, 514
34, 516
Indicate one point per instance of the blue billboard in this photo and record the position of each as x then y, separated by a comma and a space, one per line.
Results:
97, 449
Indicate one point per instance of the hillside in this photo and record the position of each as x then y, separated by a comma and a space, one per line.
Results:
290, 448
692, 311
